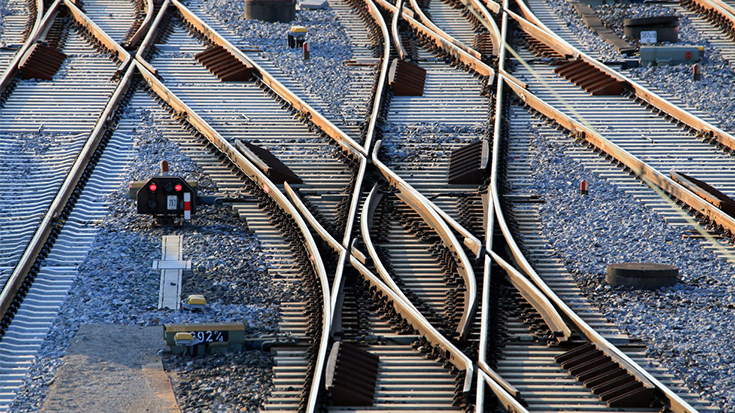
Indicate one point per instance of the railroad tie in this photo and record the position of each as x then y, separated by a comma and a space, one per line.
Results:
604, 377
590, 78
41, 62
351, 375
406, 78
223, 64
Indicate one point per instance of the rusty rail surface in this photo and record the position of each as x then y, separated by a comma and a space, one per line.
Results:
455, 52
41, 24
541, 33
52, 218
246, 167
421, 206
347, 143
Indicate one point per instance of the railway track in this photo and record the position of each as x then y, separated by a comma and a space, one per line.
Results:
349, 113
45, 122
17, 26
278, 242
538, 378
412, 293
44, 147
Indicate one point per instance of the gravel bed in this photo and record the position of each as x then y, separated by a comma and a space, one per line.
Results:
116, 285
324, 74
613, 15
400, 147
687, 327
586, 37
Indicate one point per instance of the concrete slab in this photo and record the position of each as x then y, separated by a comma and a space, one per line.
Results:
112, 368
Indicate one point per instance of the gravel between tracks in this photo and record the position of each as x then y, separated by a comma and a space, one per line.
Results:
116, 285
324, 75
688, 327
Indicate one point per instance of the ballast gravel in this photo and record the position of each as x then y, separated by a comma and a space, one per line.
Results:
324, 77
117, 285
687, 327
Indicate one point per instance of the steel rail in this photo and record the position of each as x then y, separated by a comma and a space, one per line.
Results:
540, 32
147, 43
418, 203
41, 24
483, 15
351, 216
676, 403
511, 404
396, 34
366, 222
452, 354
495, 7
260, 179
341, 138
382, 79
485, 315
405, 308
52, 218
338, 282
143, 29
470, 61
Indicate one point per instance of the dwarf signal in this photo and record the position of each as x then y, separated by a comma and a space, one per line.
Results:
166, 196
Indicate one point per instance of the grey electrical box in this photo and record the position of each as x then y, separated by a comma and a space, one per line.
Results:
670, 55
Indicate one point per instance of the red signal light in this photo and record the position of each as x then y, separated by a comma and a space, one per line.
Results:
153, 187
178, 187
